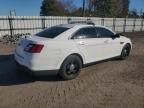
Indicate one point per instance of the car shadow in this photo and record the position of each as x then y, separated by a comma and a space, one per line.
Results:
9, 76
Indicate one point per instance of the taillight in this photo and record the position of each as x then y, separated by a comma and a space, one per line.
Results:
34, 48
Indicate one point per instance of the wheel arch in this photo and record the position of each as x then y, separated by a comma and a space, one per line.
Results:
76, 54
129, 44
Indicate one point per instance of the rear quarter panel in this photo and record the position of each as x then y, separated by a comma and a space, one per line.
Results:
56, 52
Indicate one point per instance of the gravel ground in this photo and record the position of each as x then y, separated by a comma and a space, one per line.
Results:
109, 84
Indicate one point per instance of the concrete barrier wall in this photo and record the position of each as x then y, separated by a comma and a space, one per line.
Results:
33, 24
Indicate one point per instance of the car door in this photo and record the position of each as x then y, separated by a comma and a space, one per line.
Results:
109, 43
88, 44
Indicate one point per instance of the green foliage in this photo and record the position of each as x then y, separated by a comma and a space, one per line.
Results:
78, 12
124, 8
113, 9
133, 13
52, 8
141, 14
96, 8
102, 7
47, 7
108, 8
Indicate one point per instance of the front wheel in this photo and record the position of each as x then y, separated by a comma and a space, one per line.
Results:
125, 52
71, 67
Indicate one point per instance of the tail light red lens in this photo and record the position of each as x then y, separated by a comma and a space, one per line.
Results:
34, 48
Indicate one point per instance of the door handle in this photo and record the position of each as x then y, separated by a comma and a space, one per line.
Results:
106, 41
81, 43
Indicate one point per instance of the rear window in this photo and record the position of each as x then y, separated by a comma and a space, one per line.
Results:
52, 32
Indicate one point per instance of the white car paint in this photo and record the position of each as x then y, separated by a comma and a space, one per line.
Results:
56, 50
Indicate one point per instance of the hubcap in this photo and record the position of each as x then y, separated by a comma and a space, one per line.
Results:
126, 52
72, 68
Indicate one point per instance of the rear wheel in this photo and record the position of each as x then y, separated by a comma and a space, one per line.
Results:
125, 52
71, 67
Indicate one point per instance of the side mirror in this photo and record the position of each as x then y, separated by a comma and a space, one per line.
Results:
117, 35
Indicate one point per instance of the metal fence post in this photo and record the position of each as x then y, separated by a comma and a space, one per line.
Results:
43, 22
142, 23
134, 25
114, 23
102, 21
68, 20
10, 25
124, 26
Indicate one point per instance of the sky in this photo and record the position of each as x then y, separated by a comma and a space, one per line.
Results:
32, 7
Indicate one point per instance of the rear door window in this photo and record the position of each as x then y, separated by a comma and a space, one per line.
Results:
52, 32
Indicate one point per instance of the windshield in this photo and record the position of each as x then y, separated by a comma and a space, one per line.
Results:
52, 32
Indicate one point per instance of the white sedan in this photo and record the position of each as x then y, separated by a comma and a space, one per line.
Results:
64, 49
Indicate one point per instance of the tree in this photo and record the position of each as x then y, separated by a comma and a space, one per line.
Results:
113, 9
98, 8
124, 8
52, 8
83, 12
108, 8
77, 12
133, 14
119, 8
47, 7
89, 6
141, 14
68, 6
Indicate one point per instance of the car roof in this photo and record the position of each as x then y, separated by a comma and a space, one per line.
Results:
79, 25
74, 27
69, 25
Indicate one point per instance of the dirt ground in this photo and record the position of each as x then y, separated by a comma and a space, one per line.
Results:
109, 84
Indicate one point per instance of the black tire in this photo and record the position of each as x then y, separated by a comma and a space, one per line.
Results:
125, 52
71, 68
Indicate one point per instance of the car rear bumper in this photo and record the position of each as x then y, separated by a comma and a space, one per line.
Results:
36, 62
36, 73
